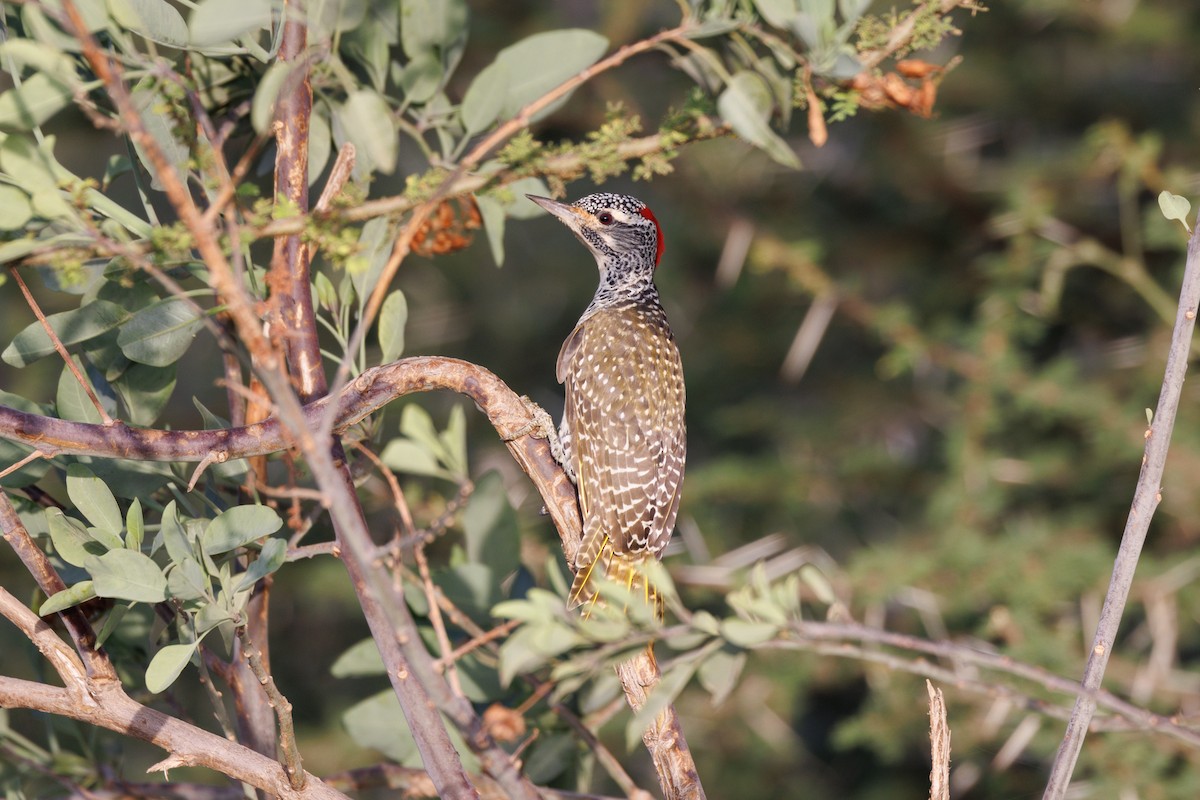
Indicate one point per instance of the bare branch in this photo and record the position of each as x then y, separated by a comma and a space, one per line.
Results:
1146, 497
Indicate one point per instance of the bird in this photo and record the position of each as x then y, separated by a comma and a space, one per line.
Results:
623, 434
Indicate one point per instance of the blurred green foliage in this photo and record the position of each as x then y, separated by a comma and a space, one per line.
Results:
955, 461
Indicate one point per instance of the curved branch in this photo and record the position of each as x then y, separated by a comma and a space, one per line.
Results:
510, 416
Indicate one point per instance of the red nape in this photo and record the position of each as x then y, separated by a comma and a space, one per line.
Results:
662, 245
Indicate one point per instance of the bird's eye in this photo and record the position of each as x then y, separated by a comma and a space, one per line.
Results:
605, 218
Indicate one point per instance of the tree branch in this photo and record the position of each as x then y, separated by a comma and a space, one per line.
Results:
1146, 497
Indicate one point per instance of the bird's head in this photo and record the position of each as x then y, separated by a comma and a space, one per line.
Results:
620, 230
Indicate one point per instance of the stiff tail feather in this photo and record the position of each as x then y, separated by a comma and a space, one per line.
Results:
602, 562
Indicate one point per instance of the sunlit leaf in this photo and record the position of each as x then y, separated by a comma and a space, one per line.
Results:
94, 499
215, 22
239, 526
535, 65
37, 99
167, 665
71, 540
71, 596
127, 575
746, 105
157, 20
15, 209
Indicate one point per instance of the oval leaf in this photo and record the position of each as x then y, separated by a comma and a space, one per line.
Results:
71, 540
37, 99
239, 526
160, 333
746, 105
484, 98
71, 596
157, 20
167, 664
15, 210
392, 319
94, 499
72, 327
127, 575
217, 22
367, 121
538, 63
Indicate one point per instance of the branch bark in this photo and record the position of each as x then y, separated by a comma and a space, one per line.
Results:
374, 388
1146, 497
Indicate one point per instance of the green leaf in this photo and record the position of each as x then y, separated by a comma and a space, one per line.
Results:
421, 78
454, 442
72, 327
37, 99
93, 499
720, 672
405, 455
550, 757
172, 534
378, 722
535, 65
1174, 207
71, 540
361, 659
167, 665
262, 109
270, 558
484, 99
159, 124
15, 210
145, 391
71, 596
392, 318
218, 22
37, 57
135, 526
490, 526
429, 26
73, 403
187, 581
127, 575
157, 20
320, 145
367, 120
491, 212
744, 633
160, 333
776, 13
239, 526
746, 105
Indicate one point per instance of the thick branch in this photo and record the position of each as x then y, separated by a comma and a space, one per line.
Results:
109, 707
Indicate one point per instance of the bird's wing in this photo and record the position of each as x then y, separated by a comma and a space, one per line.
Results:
625, 412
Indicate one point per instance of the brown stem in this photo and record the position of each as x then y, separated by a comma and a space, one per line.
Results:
59, 347
80, 630
254, 658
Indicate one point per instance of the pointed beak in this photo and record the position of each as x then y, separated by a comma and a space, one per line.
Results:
566, 213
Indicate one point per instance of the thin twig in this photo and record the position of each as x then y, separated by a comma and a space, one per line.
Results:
59, 347
292, 762
1146, 497
435, 618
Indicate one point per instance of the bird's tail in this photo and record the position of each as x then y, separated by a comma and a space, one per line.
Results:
627, 573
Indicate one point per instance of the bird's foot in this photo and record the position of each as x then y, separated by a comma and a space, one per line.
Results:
542, 427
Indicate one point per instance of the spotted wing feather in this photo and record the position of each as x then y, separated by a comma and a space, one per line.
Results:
625, 423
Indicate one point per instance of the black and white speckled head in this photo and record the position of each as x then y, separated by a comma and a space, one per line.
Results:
622, 234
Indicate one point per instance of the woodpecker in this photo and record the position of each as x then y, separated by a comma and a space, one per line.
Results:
623, 435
